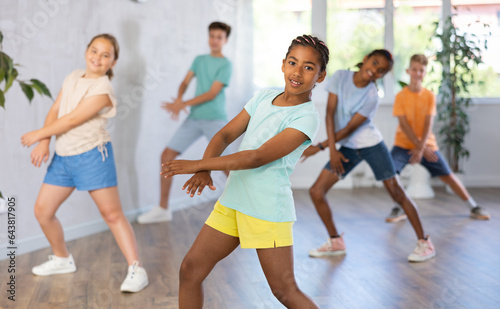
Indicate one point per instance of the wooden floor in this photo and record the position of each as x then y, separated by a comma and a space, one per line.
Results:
373, 274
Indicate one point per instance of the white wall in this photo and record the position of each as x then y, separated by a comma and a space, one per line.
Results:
159, 40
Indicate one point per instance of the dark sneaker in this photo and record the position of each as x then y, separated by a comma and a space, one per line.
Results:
479, 214
397, 214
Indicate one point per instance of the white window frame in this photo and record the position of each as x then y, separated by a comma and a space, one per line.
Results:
319, 29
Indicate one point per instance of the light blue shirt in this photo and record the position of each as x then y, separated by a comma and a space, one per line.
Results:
352, 100
207, 70
265, 192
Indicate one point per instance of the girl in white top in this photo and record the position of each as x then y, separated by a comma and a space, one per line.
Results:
83, 160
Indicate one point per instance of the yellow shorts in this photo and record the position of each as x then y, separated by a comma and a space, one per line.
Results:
252, 232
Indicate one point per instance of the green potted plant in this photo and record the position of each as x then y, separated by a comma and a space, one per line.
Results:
460, 54
9, 75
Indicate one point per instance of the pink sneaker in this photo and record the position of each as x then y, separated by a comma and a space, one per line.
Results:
332, 247
424, 251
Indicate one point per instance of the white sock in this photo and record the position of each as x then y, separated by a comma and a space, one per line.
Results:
63, 259
471, 203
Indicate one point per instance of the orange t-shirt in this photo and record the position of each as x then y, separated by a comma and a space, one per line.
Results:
415, 106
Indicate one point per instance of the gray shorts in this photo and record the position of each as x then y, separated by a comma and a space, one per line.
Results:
191, 130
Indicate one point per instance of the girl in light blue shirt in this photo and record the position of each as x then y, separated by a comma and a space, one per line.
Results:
256, 209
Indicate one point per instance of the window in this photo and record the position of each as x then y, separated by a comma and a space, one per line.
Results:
413, 28
354, 29
276, 24
471, 16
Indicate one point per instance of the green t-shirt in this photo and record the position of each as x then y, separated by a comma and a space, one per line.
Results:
265, 192
207, 70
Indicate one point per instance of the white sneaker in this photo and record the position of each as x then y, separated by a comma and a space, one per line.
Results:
156, 214
424, 251
136, 280
55, 266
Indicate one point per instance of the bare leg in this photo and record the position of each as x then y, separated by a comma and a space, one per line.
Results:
399, 195
108, 202
166, 183
208, 249
277, 264
48, 201
318, 192
456, 185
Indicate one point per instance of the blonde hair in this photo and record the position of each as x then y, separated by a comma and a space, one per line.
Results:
113, 42
419, 58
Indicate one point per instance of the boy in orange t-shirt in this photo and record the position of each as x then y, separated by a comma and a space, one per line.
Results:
415, 108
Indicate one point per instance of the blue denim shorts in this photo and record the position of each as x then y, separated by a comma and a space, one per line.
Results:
400, 156
191, 130
377, 157
91, 170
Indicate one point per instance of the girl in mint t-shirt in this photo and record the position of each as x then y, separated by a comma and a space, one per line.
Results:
256, 209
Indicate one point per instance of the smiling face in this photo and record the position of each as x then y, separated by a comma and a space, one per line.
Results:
99, 57
417, 72
302, 69
374, 67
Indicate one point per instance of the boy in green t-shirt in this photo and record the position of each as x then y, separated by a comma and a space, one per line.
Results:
208, 110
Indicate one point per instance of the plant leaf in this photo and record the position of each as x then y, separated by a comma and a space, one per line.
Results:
2, 73
40, 87
1, 39
6, 62
2, 99
1, 196
9, 79
28, 91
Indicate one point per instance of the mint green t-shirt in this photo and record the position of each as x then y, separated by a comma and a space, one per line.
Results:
207, 70
265, 192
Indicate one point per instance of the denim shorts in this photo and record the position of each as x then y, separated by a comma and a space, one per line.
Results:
191, 130
377, 157
400, 156
91, 170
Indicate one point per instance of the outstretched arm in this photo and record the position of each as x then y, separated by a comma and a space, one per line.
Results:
41, 151
277, 147
230, 132
84, 111
178, 105
215, 89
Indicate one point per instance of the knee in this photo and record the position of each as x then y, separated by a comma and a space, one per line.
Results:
112, 217
285, 290
187, 272
446, 179
396, 191
41, 214
316, 193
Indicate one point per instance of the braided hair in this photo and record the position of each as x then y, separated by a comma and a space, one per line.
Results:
314, 42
